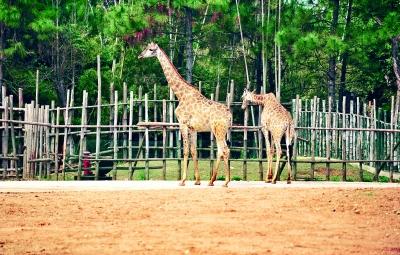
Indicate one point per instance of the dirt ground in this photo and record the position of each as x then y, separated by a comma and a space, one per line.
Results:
202, 221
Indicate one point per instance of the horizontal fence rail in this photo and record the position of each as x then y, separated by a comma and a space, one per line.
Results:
45, 141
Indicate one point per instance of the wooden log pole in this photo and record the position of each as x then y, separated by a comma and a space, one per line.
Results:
4, 140
66, 121
212, 147
296, 119
313, 134
328, 139
155, 119
98, 121
359, 139
47, 139
147, 140
130, 169
13, 140
124, 120
82, 134
344, 139
164, 137
115, 135
244, 152
56, 142
40, 144
392, 126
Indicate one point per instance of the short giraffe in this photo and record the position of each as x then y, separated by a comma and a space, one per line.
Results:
195, 113
275, 119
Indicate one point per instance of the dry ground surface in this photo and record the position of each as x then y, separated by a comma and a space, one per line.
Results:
257, 219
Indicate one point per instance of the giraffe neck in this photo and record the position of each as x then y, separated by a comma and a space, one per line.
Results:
178, 85
263, 99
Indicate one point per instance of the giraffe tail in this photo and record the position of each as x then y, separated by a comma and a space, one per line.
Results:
291, 133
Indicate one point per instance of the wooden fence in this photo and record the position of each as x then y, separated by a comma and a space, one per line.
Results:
40, 140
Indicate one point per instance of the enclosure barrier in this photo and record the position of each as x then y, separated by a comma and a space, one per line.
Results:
42, 141
38, 141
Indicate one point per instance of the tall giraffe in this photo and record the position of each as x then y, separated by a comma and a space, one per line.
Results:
275, 119
195, 113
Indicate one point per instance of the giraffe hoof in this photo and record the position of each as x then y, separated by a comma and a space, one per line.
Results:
181, 184
210, 184
197, 183
289, 181
225, 185
267, 181
274, 182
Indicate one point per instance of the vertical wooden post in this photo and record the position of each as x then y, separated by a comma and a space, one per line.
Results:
4, 143
66, 121
244, 152
37, 87
47, 139
171, 120
164, 136
82, 134
130, 135
350, 134
392, 127
296, 119
147, 151
155, 120
20, 149
373, 140
115, 129
260, 145
328, 139
199, 142
124, 119
27, 130
52, 134
212, 147
56, 164
359, 139
217, 92
313, 123
13, 143
40, 144
344, 139
112, 89
140, 115
98, 122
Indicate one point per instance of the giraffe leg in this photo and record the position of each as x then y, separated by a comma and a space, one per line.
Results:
226, 153
278, 158
219, 132
193, 151
185, 137
287, 136
268, 177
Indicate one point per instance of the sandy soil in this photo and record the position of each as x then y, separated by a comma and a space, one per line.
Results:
202, 221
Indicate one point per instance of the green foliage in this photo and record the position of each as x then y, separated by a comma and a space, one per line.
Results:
32, 39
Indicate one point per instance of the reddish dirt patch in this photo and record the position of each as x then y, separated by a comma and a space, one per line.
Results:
202, 221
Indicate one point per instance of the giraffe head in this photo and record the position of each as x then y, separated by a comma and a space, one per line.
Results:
246, 97
151, 50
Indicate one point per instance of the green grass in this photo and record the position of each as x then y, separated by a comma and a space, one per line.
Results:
303, 172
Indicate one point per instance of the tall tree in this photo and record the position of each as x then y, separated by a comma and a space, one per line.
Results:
345, 55
331, 73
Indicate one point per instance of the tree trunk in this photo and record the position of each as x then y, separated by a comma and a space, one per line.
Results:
2, 30
189, 44
345, 56
396, 70
332, 59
